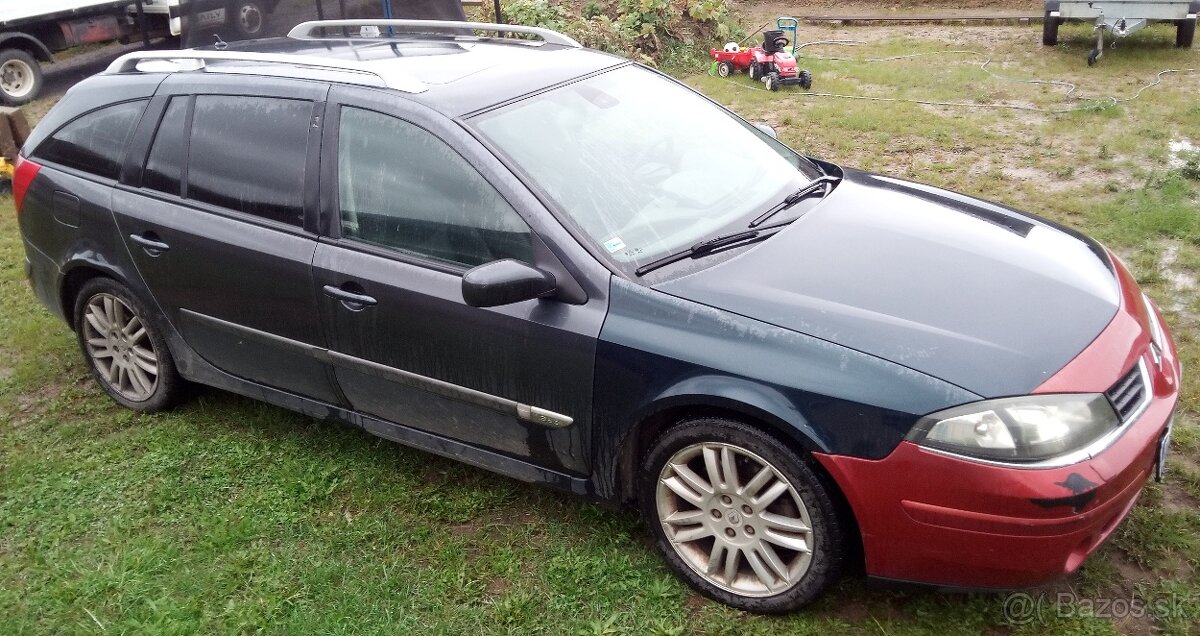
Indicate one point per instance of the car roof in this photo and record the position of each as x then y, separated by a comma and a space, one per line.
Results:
456, 75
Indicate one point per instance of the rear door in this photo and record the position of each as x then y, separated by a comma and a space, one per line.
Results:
412, 202
220, 223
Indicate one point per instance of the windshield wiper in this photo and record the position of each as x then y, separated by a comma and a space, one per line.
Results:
823, 183
711, 245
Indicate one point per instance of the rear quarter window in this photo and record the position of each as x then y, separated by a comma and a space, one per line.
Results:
94, 143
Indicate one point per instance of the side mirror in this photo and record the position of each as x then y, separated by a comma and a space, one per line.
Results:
765, 127
505, 282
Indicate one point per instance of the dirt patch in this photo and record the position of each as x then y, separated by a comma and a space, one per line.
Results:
1181, 282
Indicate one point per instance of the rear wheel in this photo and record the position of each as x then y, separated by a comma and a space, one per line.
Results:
127, 356
20, 77
1050, 30
740, 516
1185, 33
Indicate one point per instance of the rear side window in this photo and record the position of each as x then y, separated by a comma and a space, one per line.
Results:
248, 154
164, 167
94, 143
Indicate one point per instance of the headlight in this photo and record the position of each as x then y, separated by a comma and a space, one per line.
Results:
1022, 429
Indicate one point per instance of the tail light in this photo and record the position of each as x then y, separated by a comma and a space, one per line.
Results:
23, 176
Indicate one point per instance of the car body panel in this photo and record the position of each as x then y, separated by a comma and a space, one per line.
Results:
658, 351
937, 284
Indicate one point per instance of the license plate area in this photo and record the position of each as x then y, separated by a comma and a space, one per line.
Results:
215, 17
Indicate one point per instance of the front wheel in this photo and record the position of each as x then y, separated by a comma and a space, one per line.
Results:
755, 71
127, 356
20, 77
740, 516
805, 80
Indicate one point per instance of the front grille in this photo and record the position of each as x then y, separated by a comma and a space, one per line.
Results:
1128, 394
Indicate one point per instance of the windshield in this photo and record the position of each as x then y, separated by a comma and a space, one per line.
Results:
643, 165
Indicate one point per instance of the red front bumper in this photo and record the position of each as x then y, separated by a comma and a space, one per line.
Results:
932, 518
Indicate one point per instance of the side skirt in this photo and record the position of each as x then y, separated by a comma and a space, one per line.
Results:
194, 368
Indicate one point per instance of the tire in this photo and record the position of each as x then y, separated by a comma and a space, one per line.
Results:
249, 19
20, 77
1093, 57
772, 81
695, 521
1185, 33
123, 348
755, 72
806, 80
1050, 30
724, 69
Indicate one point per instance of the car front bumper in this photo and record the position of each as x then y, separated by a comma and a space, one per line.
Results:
934, 518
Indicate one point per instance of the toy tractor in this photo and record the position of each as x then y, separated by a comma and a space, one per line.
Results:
769, 63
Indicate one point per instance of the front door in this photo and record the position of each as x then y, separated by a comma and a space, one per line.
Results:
409, 215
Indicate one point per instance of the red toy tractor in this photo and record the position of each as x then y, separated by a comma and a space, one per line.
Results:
769, 63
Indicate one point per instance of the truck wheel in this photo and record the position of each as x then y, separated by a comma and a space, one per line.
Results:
20, 77
1050, 30
249, 18
1185, 32
724, 69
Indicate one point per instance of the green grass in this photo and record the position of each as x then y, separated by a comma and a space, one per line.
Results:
227, 515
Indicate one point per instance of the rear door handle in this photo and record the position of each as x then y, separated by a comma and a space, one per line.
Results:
351, 300
150, 243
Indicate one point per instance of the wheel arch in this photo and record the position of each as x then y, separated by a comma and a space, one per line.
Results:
711, 395
670, 410
75, 276
27, 43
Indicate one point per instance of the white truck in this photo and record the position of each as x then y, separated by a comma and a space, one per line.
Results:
248, 17
31, 31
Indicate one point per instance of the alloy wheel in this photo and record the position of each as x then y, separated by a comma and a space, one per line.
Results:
120, 347
735, 519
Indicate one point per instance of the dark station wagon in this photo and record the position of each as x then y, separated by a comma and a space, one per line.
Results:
540, 259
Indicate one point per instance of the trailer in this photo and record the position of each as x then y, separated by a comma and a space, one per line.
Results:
1121, 18
32, 31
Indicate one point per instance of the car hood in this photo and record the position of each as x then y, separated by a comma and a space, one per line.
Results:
976, 294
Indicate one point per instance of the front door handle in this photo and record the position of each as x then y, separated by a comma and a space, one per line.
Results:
149, 242
351, 300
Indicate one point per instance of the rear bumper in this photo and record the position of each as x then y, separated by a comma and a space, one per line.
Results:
934, 518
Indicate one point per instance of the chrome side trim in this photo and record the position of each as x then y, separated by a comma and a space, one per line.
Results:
1074, 457
531, 414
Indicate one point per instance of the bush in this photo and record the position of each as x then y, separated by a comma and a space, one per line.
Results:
644, 29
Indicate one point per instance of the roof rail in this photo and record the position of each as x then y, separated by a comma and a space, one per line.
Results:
303, 31
372, 75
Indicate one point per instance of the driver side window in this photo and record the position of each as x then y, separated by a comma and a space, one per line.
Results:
401, 187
